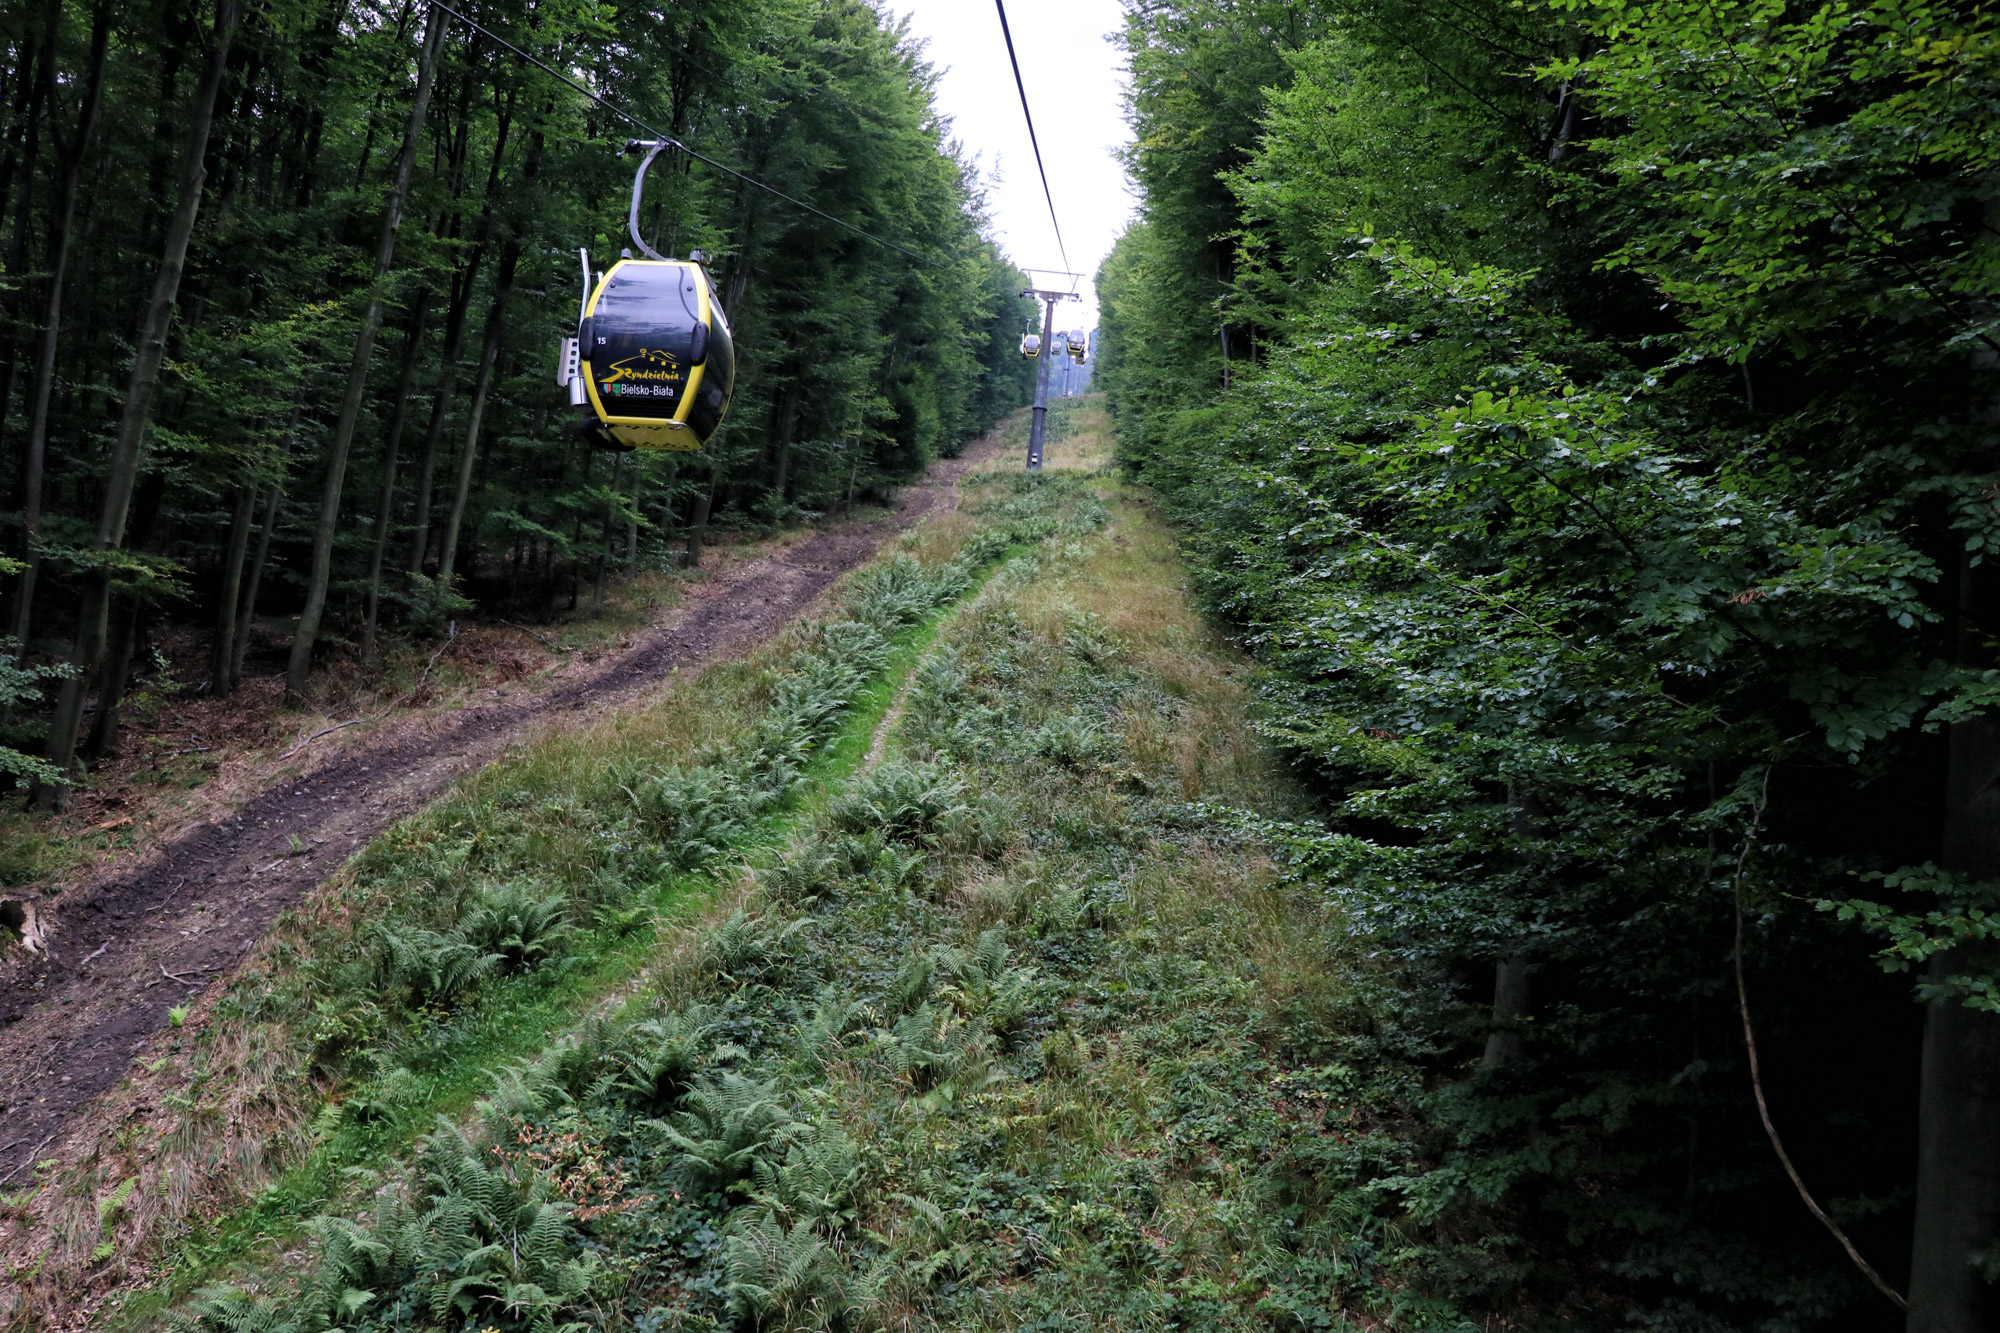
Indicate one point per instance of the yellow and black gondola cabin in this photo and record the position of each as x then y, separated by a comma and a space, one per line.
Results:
655, 357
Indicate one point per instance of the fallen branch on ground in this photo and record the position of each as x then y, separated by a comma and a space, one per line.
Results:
24, 1161
546, 643
357, 721
323, 731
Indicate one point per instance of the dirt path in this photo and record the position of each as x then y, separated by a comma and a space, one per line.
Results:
133, 943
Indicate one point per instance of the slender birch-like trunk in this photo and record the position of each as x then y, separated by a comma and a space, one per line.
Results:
223, 651
489, 355
246, 618
392, 444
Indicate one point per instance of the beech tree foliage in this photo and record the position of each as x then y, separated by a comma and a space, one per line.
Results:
1587, 412
281, 283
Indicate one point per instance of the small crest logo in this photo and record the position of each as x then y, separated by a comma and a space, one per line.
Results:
648, 365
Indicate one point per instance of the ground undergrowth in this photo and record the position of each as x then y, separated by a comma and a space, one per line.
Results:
1009, 1030
473, 932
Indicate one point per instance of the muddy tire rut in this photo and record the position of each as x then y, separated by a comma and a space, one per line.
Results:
133, 943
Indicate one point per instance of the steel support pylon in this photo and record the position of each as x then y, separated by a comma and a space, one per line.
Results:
1038, 430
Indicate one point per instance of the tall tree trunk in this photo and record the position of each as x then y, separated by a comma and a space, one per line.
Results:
245, 620
604, 546
17, 242
26, 86
103, 738
1958, 1115
704, 504
667, 499
223, 651
786, 423
447, 386
392, 443
140, 389
1513, 976
489, 354
357, 373
454, 341
127, 622
36, 451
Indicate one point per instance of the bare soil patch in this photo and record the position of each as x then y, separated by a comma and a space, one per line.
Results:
137, 939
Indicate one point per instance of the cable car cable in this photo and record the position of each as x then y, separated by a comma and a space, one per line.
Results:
676, 144
1029, 116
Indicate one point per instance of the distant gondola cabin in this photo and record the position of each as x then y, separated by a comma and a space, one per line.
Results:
1031, 345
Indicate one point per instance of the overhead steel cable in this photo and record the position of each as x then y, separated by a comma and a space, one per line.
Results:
1029, 116
669, 139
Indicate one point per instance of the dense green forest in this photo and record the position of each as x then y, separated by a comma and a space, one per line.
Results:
1468, 797
283, 283
1587, 413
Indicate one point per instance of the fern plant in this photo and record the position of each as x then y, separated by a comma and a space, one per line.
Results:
518, 926
910, 985
231, 1309
815, 1182
742, 945
905, 800
900, 591
984, 986
655, 1062
696, 814
801, 871
927, 1243
900, 869
433, 966
508, 928
933, 1051
559, 1076
728, 1122
789, 1278
822, 1037
1071, 740
468, 1244
983, 828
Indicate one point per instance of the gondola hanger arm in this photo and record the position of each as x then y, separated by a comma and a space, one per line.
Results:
653, 147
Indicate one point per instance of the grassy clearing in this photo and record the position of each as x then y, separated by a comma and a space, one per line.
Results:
474, 932
1009, 1034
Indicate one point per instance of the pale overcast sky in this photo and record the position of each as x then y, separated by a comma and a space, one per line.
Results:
1076, 82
